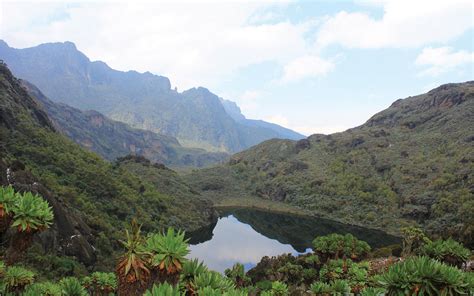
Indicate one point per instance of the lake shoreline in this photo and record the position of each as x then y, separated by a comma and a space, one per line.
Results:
283, 208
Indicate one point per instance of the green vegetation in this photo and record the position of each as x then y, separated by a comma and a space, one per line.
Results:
448, 251
28, 214
409, 165
425, 276
337, 246
177, 275
93, 197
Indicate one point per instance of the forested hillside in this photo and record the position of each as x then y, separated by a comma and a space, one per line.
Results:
412, 163
92, 199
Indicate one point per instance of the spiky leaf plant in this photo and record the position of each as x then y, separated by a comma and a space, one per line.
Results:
279, 288
8, 198
164, 289
373, 292
191, 269
71, 286
237, 275
17, 278
214, 280
424, 276
340, 287
103, 283
132, 270
448, 251
320, 289
168, 253
43, 289
31, 214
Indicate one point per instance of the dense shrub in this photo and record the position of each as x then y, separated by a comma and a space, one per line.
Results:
448, 251
425, 276
335, 246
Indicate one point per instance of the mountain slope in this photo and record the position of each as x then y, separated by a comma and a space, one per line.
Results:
412, 163
196, 117
112, 139
102, 196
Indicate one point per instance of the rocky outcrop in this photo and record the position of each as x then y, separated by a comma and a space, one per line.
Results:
68, 235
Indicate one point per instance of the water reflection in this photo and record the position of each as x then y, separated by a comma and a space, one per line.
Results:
246, 235
233, 241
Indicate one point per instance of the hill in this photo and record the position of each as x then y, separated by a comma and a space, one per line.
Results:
92, 199
412, 163
196, 117
112, 139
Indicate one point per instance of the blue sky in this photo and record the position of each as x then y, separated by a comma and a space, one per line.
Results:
313, 66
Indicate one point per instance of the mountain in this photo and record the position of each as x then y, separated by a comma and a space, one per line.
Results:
411, 164
112, 139
196, 117
92, 199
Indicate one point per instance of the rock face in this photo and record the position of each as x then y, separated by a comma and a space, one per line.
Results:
68, 235
196, 117
112, 139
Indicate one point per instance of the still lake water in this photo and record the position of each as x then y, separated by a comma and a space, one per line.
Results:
246, 235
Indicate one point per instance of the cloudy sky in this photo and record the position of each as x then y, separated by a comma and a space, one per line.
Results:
313, 66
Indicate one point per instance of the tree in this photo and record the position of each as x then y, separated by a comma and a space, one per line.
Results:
132, 271
30, 214
168, 251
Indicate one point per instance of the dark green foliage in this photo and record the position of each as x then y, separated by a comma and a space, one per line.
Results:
101, 194
100, 283
425, 276
336, 246
164, 289
16, 278
71, 286
237, 275
413, 240
448, 251
43, 289
410, 164
279, 289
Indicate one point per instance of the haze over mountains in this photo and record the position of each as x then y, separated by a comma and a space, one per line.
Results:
196, 117
113, 139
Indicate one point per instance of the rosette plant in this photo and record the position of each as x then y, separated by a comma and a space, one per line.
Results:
132, 271
31, 214
168, 253
8, 197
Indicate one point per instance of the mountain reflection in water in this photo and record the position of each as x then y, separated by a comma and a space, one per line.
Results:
246, 235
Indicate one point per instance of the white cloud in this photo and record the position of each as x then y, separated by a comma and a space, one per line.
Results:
305, 67
443, 59
248, 102
278, 119
403, 24
192, 43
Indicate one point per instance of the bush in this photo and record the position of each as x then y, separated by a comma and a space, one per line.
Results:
279, 289
335, 246
425, 276
17, 278
448, 251
164, 289
71, 286
43, 289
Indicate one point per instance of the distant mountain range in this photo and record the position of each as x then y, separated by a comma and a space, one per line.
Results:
196, 117
112, 139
